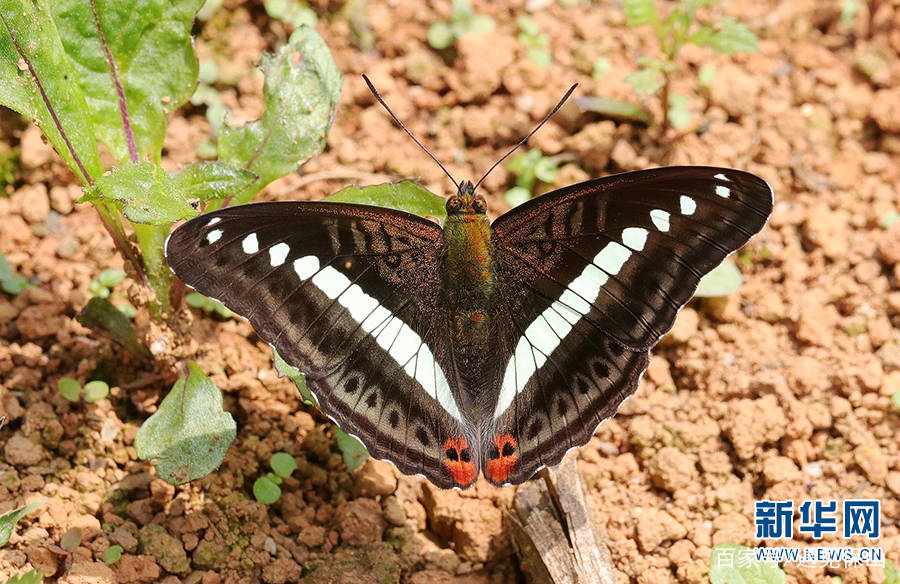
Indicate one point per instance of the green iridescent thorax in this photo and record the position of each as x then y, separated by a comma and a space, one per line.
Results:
468, 270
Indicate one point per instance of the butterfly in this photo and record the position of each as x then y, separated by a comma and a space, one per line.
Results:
478, 348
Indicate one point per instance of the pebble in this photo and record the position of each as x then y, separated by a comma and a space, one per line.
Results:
20, 451
35, 202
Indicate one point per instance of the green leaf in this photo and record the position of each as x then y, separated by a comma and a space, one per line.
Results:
733, 37
540, 57
723, 280
612, 108
353, 451
291, 12
112, 554
69, 388
9, 519
111, 277
188, 436
481, 23
10, 281
461, 10
895, 399
32, 577
679, 114
151, 196
283, 464
95, 391
546, 169
891, 575
286, 370
726, 568
101, 314
528, 25
155, 64
640, 12
849, 8
706, 74
646, 80
440, 36
405, 195
301, 92
266, 491
516, 196
36, 80
600, 67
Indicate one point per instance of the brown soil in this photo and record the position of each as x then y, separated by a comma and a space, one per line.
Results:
782, 391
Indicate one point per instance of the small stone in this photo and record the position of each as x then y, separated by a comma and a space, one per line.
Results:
393, 511
61, 199
41, 320
735, 90
752, 423
376, 477
361, 522
893, 482
35, 202
20, 451
873, 462
672, 469
281, 570
780, 468
885, 109
68, 246
35, 152
686, 324
137, 569
165, 547
655, 526
88, 572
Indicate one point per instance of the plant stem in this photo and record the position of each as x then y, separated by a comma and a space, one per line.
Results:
665, 103
151, 240
113, 224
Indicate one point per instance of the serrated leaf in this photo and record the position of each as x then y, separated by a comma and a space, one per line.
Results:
405, 195
101, 314
352, 450
640, 12
151, 196
155, 63
9, 519
725, 567
733, 37
301, 92
646, 80
285, 369
612, 108
188, 436
721, 281
36, 80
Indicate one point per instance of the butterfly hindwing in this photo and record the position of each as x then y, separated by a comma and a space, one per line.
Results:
591, 277
347, 294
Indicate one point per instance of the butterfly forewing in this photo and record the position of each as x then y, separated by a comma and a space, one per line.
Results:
347, 294
591, 277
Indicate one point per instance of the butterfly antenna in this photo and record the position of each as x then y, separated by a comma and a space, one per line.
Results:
405, 129
530, 134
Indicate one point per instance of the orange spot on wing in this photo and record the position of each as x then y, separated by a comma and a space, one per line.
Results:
502, 458
458, 460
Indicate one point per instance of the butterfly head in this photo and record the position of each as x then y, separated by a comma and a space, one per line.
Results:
466, 202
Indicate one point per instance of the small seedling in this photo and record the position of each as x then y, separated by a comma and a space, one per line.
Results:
896, 399
266, 488
600, 67
112, 554
10, 281
106, 280
444, 34
207, 305
529, 168
677, 29
70, 389
50, 75
535, 43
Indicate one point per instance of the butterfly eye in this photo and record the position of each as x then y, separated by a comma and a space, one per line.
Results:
454, 204
479, 205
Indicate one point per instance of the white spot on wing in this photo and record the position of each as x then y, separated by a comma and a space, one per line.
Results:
250, 244
612, 257
660, 219
723, 191
688, 205
634, 237
278, 253
721, 176
306, 266
214, 235
331, 282
213, 221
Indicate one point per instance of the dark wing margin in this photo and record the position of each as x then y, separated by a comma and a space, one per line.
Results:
591, 277
347, 294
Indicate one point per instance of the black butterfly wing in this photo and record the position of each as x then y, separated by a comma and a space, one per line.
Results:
591, 276
348, 295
